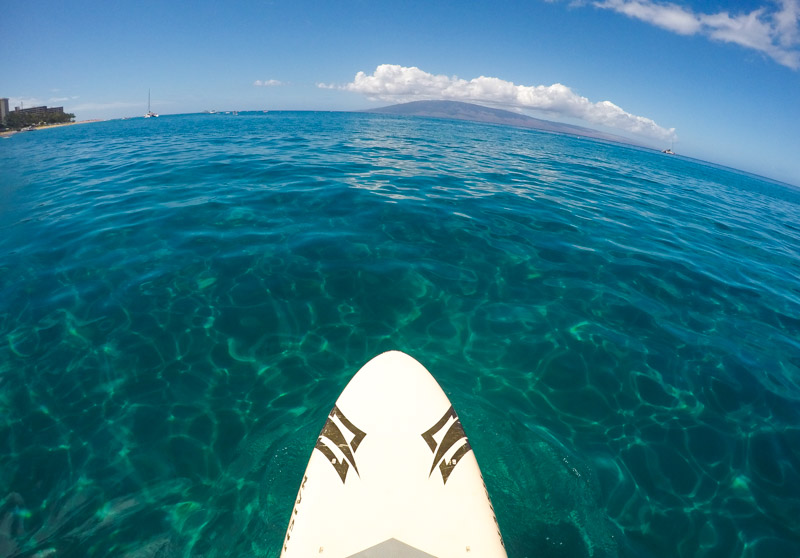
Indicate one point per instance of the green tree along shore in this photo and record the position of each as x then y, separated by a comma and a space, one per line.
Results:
17, 120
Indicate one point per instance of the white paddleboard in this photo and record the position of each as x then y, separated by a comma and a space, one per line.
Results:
393, 475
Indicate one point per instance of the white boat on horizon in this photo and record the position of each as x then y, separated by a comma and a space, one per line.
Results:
150, 113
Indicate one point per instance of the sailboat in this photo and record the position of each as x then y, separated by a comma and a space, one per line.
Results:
150, 113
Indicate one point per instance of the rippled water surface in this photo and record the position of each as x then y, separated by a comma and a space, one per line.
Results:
182, 299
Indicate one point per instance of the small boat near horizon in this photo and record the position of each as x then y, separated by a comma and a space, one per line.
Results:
150, 113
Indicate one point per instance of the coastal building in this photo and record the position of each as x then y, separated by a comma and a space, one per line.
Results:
3, 110
41, 112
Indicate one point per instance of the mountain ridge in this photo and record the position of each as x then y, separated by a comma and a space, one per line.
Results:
458, 110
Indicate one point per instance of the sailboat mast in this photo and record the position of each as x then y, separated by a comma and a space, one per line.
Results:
150, 113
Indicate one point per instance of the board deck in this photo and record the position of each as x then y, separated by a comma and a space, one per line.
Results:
393, 474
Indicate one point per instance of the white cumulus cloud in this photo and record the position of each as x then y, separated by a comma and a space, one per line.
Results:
396, 83
62, 99
773, 30
268, 83
669, 16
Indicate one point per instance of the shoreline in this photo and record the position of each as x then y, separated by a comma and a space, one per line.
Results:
10, 133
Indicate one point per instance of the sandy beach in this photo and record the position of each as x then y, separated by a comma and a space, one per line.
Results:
46, 126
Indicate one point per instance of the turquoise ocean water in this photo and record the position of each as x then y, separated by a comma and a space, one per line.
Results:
182, 299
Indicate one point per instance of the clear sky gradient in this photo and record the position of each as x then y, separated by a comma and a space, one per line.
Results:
719, 79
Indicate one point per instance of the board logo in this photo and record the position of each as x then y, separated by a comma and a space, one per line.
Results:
332, 435
454, 437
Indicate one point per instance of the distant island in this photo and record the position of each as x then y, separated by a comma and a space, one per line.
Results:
456, 110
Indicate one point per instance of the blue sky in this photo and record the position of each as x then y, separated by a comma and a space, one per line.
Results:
720, 79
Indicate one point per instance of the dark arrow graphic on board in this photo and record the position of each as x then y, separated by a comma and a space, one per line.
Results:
454, 436
334, 435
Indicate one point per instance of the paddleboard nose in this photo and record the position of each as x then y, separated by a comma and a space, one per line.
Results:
393, 469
